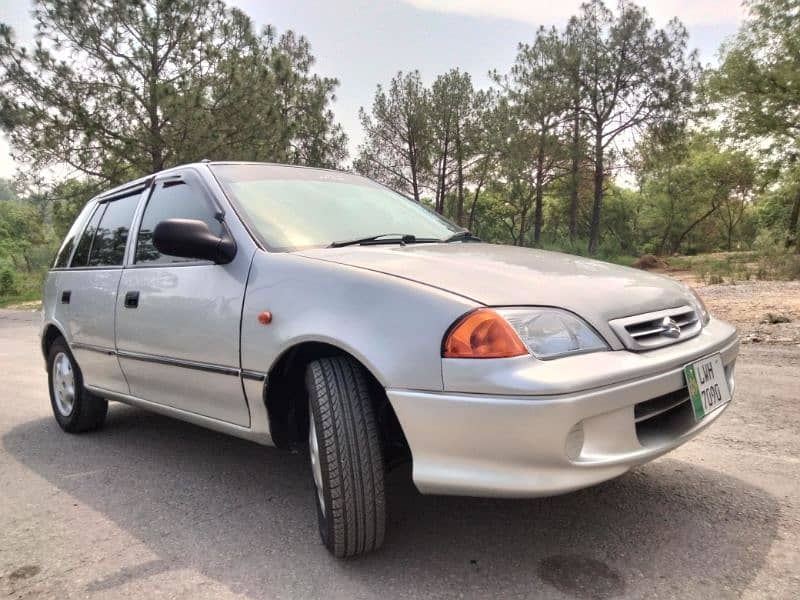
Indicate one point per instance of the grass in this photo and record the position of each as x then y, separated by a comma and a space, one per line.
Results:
13, 301
22, 287
728, 267
776, 263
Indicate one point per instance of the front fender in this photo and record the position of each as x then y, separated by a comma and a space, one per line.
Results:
392, 325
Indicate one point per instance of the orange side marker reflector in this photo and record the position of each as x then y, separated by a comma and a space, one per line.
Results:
265, 317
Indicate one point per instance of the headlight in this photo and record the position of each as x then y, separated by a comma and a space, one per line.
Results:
705, 317
551, 332
506, 332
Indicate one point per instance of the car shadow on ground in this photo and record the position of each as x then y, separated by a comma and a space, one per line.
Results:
243, 515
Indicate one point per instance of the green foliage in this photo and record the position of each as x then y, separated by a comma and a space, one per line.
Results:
8, 283
630, 75
757, 92
154, 83
775, 260
692, 186
724, 268
151, 84
569, 96
66, 199
26, 249
21, 230
397, 142
428, 142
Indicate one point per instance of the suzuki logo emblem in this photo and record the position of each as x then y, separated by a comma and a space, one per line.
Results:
670, 328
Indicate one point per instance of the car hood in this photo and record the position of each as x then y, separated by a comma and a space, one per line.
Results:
497, 275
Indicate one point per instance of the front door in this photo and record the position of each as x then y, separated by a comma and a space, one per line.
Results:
178, 319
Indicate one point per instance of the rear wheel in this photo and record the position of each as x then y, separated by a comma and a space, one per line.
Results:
346, 457
74, 408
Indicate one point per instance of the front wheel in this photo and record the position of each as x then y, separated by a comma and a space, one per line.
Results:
346, 457
74, 408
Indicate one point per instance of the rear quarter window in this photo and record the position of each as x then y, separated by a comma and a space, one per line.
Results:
81, 256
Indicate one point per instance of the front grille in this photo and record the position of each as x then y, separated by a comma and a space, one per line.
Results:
654, 330
664, 418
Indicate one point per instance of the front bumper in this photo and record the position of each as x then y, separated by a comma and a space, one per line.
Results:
512, 445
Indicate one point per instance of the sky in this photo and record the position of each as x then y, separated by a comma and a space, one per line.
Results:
365, 42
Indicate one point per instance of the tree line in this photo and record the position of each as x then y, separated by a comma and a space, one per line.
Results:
708, 154
605, 136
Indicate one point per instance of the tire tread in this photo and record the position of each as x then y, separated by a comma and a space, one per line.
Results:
350, 456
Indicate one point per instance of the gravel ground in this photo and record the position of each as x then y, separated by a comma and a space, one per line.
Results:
753, 305
149, 507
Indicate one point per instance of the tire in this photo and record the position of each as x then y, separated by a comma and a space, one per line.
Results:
75, 409
345, 441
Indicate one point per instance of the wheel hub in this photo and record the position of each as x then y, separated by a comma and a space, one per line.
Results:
63, 384
316, 469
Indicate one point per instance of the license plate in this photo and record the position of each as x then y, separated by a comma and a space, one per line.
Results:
708, 386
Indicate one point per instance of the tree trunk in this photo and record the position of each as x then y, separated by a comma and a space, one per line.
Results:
460, 177
594, 228
537, 215
688, 230
156, 143
414, 182
475, 196
441, 183
412, 161
662, 247
575, 176
793, 236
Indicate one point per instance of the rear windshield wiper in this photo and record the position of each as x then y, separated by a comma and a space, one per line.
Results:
462, 236
384, 238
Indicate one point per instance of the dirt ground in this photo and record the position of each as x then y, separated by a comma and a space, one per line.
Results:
765, 312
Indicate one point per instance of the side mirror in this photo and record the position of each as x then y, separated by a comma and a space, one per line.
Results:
190, 238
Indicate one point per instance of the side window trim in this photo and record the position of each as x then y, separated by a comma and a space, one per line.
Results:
94, 235
133, 235
98, 209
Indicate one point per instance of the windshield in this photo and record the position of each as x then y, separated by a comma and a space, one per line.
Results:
295, 208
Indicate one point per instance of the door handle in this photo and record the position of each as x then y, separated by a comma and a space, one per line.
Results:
66, 295
131, 299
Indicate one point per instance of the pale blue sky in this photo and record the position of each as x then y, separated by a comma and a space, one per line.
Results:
364, 43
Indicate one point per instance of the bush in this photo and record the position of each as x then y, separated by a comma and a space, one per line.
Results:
775, 260
8, 283
719, 268
649, 261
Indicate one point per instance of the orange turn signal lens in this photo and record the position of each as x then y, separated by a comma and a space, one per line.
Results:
482, 334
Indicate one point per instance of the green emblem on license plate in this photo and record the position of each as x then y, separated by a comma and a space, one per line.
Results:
707, 384
694, 392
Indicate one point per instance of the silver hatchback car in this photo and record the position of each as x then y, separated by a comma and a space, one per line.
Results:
293, 306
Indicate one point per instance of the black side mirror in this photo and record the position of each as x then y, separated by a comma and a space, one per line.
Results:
190, 238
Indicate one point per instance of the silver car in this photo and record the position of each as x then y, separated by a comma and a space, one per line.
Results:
303, 307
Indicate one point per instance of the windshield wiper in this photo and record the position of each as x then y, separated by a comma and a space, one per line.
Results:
462, 236
384, 238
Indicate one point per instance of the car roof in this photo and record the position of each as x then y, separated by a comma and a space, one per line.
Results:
144, 181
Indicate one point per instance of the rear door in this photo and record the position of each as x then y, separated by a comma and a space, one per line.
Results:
178, 319
88, 290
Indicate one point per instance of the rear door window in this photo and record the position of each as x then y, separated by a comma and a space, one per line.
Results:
111, 237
